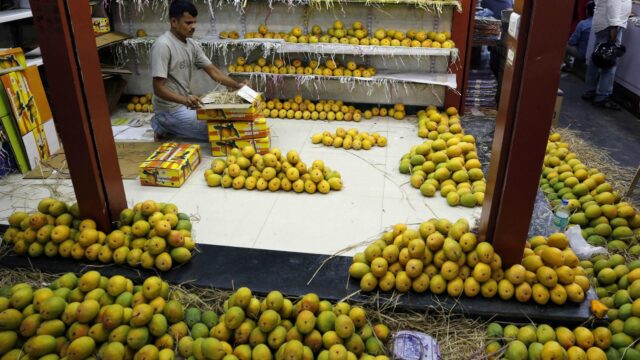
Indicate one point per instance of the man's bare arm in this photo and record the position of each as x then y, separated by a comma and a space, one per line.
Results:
161, 90
220, 77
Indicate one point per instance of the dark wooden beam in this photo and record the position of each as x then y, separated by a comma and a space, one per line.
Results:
462, 36
80, 107
530, 84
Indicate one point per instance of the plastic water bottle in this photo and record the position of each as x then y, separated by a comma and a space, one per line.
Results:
561, 215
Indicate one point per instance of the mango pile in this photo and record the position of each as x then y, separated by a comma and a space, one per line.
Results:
307, 329
349, 139
431, 123
151, 235
140, 103
356, 35
442, 257
545, 342
447, 161
77, 318
244, 169
111, 318
595, 206
305, 109
296, 67
617, 283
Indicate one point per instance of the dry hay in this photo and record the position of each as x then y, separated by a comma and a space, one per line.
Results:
595, 157
33, 277
459, 337
20, 194
223, 97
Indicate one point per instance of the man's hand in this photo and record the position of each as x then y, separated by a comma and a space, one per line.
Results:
192, 101
246, 82
613, 34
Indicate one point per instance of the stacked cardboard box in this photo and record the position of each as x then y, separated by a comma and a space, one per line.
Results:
235, 121
26, 119
170, 165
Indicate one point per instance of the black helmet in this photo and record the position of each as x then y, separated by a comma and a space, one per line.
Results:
605, 55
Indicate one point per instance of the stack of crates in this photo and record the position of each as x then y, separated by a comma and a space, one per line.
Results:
236, 125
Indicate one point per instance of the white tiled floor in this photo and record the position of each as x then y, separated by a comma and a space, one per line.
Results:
375, 195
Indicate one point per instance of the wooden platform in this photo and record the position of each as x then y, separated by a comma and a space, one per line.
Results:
226, 267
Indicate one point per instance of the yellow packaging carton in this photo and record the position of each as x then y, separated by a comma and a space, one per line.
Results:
170, 165
237, 130
223, 147
11, 60
242, 105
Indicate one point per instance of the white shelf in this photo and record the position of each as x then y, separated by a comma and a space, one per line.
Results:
241, 4
362, 50
280, 46
37, 61
448, 80
13, 15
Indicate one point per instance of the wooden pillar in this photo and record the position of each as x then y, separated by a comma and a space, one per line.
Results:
462, 36
79, 106
530, 84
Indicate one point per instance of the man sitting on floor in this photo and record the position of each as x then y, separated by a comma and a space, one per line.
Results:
579, 40
175, 57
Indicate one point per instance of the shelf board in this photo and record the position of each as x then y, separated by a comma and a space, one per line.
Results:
419, 3
280, 46
241, 4
321, 48
13, 15
448, 80
37, 61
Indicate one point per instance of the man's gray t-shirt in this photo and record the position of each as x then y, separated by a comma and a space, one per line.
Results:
175, 61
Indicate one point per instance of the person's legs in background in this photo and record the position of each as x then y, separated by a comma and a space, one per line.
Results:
181, 123
572, 55
605, 83
593, 72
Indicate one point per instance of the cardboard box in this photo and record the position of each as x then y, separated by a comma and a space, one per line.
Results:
30, 126
223, 147
237, 130
12, 59
245, 108
110, 38
170, 165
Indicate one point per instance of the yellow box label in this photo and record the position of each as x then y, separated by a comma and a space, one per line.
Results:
236, 130
224, 147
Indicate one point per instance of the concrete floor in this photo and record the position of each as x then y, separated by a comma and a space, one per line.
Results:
375, 195
616, 132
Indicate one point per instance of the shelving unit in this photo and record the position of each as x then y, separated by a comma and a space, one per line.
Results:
13, 15
8, 16
412, 75
280, 46
37, 61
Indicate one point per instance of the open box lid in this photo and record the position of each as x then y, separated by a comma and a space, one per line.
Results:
249, 97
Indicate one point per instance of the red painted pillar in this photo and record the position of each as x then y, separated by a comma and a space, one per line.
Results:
462, 36
530, 84
80, 106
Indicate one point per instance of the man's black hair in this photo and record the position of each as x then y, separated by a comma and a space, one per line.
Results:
179, 7
591, 6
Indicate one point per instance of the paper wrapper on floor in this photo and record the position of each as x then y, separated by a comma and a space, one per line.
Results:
170, 165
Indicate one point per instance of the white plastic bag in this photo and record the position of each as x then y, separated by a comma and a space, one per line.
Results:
580, 246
